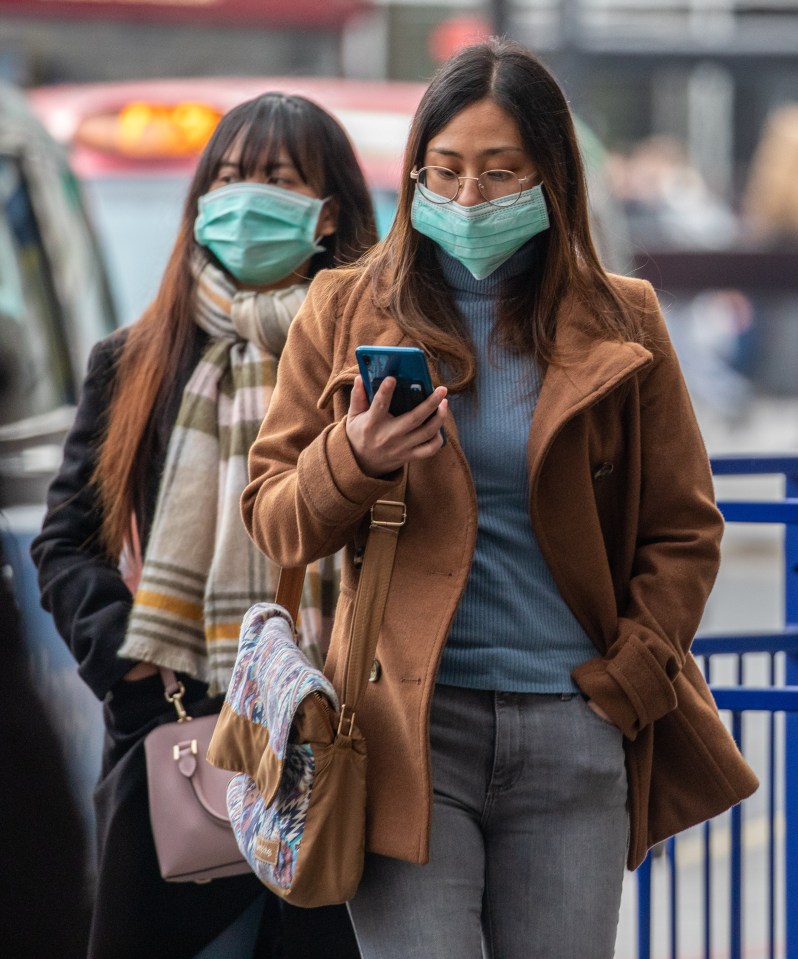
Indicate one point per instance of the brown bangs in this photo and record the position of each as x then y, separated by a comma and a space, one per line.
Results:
280, 127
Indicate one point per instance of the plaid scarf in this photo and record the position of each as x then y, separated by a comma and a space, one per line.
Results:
201, 572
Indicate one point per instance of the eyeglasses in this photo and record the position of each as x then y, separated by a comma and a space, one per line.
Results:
441, 185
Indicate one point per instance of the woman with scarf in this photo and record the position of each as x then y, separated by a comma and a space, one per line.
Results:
147, 499
534, 718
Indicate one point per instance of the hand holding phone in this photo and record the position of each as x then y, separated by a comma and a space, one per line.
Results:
381, 445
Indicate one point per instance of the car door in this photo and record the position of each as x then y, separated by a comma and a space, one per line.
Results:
54, 305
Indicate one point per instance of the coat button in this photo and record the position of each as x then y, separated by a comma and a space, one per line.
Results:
601, 471
376, 670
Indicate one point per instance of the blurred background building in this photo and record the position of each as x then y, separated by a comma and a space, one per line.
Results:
704, 71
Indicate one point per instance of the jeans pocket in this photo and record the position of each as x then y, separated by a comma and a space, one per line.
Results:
596, 717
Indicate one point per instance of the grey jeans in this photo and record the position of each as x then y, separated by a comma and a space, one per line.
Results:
529, 835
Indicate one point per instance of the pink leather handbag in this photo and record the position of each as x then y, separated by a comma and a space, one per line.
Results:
188, 805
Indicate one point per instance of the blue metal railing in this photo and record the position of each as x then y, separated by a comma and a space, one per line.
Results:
738, 700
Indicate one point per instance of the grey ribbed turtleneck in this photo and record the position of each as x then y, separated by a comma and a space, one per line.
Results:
513, 631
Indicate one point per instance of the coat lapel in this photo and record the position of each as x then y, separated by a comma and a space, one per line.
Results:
587, 369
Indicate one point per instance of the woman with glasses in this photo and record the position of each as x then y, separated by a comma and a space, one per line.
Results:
535, 720
143, 559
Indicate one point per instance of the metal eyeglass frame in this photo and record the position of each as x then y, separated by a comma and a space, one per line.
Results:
415, 174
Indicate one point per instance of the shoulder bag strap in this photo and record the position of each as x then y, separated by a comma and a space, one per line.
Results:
289, 589
387, 518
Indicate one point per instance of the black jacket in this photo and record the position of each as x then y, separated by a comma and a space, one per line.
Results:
79, 585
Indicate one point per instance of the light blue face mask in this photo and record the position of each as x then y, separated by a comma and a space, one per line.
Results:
258, 233
481, 237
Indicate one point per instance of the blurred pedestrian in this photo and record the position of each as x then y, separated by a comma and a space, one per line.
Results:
535, 719
770, 197
668, 203
158, 455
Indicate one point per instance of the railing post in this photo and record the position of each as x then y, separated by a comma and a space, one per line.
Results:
791, 738
643, 876
736, 864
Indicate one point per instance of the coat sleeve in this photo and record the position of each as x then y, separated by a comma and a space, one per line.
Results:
82, 589
306, 494
677, 552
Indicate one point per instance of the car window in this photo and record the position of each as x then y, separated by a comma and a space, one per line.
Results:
35, 376
384, 209
137, 219
69, 244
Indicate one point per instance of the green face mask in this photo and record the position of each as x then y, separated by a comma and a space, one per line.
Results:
258, 233
481, 237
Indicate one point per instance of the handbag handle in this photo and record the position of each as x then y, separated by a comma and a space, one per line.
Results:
388, 516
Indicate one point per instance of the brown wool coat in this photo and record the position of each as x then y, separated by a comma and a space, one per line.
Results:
621, 501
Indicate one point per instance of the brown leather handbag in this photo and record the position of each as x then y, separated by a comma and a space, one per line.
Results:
298, 801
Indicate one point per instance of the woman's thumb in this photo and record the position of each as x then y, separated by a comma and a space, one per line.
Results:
358, 401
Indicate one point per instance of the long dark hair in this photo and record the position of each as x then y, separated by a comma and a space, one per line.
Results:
160, 343
404, 266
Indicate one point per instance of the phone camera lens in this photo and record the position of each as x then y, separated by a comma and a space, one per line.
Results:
367, 360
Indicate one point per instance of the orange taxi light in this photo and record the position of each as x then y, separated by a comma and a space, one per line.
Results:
151, 130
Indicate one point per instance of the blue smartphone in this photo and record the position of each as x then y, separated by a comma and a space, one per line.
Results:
408, 364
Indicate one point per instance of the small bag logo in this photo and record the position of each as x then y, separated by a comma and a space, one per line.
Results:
267, 850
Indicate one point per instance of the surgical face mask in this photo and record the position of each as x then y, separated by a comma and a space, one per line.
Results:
259, 233
484, 236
